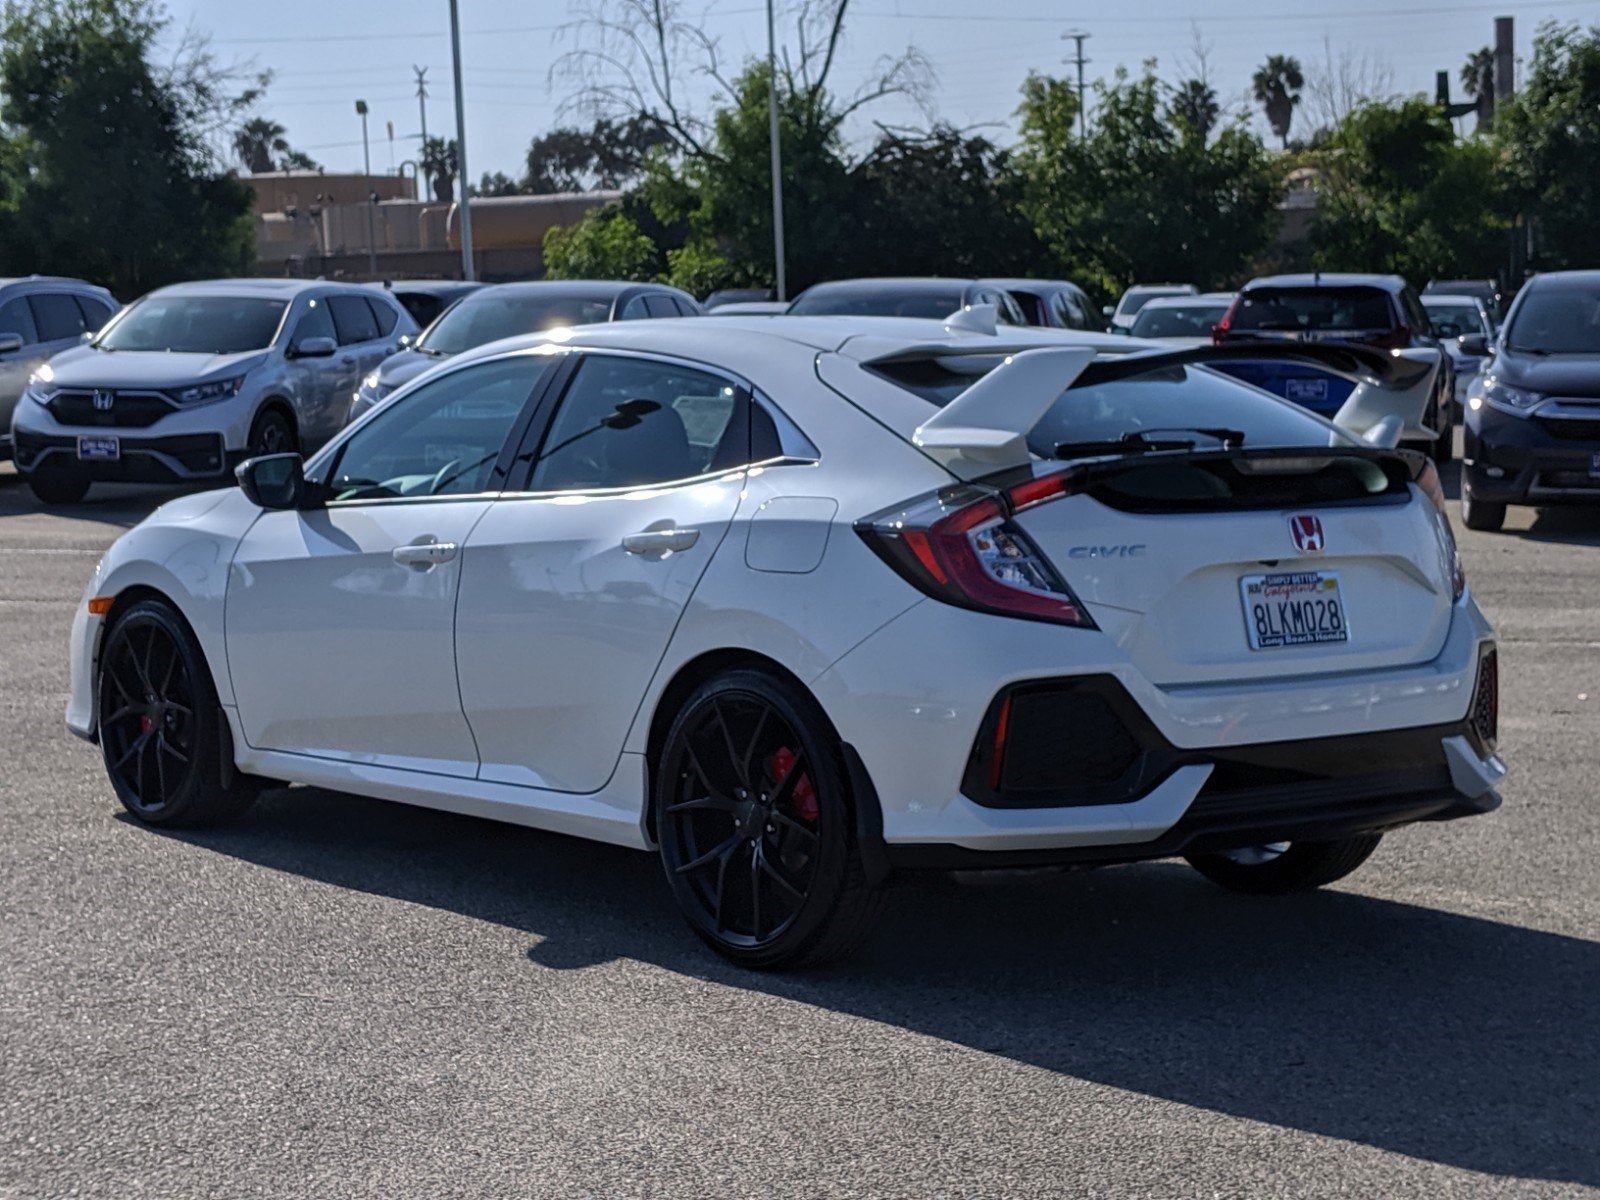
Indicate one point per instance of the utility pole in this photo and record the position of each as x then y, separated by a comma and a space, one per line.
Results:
464, 200
777, 158
422, 105
1079, 36
366, 166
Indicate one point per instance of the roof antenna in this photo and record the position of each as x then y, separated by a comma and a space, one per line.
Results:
974, 318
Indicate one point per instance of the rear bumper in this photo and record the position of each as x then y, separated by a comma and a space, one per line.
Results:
1518, 460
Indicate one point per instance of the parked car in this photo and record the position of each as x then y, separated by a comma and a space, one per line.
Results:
187, 381
1120, 317
41, 315
1533, 416
425, 299
1455, 318
932, 298
1486, 290
990, 600
1053, 303
1185, 320
725, 296
1381, 311
507, 309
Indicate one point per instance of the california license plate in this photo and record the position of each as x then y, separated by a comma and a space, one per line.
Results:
99, 448
1293, 608
1306, 389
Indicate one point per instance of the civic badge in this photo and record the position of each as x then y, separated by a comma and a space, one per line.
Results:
1307, 533
103, 401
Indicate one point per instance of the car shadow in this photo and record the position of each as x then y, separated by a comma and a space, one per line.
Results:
120, 504
1455, 1039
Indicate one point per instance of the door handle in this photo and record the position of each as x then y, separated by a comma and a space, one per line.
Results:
425, 554
660, 541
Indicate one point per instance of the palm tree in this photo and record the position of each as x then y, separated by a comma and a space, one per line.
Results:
1277, 85
1195, 104
439, 164
256, 141
1477, 77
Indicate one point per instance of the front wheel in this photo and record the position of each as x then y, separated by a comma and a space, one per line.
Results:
1480, 514
271, 433
1444, 446
1278, 868
755, 822
57, 486
162, 731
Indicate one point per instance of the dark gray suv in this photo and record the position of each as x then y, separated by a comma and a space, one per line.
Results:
41, 315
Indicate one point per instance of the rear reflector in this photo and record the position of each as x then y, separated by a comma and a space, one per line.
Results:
101, 605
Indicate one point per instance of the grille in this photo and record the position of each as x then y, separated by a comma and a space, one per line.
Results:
129, 410
1485, 715
1578, 429
1568, 479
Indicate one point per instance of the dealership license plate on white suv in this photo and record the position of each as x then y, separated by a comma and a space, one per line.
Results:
1293, 608
99, 447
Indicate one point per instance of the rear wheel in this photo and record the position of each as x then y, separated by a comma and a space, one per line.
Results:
756, 827
162, 732
1480, 514
1278, 868
59, 485
1444, 446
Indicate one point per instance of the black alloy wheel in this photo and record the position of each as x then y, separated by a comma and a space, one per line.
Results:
755, 828
161, 729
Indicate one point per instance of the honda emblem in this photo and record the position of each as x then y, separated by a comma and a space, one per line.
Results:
103, 401
1307, 533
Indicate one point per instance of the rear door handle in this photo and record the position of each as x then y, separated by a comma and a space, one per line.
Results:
425, 554
660, 541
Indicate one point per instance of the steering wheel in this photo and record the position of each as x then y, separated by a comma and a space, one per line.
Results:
439, 480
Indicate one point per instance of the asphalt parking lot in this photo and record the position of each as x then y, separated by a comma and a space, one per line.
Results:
341, 997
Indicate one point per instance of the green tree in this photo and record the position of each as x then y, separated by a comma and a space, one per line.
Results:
1399, 192
89, 117
258, 143
1195, 104
497, 183
1276, 86
439, 164
1477, 79
1140, 198
604, 245
610, 154
1550, 132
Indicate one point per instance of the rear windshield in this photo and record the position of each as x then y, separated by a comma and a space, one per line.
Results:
1134, 301
196, 325
1327, 309
1189, 321
482, 318
1463, 316
878, 302
1562, 320
1167, 402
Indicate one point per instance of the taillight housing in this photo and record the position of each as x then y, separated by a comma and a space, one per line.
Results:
1219, 331
960, 545
1428, 481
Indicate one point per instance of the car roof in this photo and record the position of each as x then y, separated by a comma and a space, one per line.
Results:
1317, 279
277, 289
1442, 298
53, 279
1034, 287
1169, 288
431, 287
1212, 298
906, 283
579, 289
1565, 279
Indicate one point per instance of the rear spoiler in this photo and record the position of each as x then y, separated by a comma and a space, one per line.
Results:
985, 428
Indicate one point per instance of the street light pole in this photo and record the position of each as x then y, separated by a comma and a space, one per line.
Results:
777, 160
461, 147
366, 166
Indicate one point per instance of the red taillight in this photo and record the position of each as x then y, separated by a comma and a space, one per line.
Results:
1219, 331
1428, 481
962, 547
997, 760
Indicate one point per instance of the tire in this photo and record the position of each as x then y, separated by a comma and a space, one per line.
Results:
271, 433
162, 733
756, 825
59, 486
1480, 514
1285, 867
1444, 446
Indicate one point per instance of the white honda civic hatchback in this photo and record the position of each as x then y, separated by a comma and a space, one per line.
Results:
799, 603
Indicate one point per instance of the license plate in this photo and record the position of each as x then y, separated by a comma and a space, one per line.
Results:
100, 448
1298, 608
1306, 389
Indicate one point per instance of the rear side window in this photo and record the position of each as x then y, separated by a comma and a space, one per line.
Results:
353, 319
685, 307
57, 316
658, 305
1331, 309
16, 317
385, 316
1032, 307
95, 312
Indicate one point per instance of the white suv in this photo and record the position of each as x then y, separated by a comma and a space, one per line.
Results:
186, 382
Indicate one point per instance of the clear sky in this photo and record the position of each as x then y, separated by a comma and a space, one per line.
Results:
325, 54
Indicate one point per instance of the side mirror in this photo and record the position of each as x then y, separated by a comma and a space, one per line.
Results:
313, 347
273, 481
1447, 329
10, 343
1474, 344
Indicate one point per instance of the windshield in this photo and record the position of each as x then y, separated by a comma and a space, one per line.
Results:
1463, 316
1330, 309
1558, 321
196, 325
1190, 321
482, 318
878, 302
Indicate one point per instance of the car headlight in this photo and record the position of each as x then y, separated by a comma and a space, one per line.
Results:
202, 393
1506, 398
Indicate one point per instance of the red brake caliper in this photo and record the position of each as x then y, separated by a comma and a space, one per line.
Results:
802, 798
144, 723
